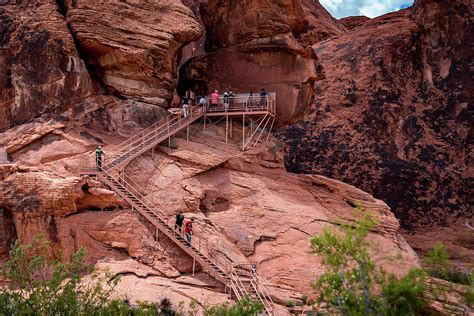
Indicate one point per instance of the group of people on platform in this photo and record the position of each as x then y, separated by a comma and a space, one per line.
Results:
187, 231
227, 99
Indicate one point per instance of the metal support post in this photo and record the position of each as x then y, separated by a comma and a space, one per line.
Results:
169, 137
194, 265
226, 128
270, 130
187, 133
243, 132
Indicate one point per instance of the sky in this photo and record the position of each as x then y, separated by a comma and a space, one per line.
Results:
371, 8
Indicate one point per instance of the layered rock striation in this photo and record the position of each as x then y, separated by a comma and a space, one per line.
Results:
40, 68
58, 55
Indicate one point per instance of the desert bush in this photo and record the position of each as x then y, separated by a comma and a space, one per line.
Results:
441, 267
40, 282
245, 307
353, 285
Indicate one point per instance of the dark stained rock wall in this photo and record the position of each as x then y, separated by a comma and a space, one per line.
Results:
40, 69
393, 114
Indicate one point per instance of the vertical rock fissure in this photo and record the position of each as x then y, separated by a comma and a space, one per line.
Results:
63, 9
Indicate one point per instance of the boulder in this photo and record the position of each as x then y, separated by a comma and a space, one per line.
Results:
132, 47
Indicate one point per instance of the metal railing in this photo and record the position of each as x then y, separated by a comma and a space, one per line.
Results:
240, 104
221, 267
247, 272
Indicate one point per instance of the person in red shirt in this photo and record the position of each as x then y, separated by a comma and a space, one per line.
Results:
215, 99
188, 231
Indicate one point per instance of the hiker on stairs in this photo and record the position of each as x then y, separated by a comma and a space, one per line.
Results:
98, 158
179, 223
188, 231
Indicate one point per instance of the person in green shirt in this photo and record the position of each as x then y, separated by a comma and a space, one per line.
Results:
98, 157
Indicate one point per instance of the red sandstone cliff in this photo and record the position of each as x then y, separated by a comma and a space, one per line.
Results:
385, 105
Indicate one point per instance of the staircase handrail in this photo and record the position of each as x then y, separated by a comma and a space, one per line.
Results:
131, 185
165, 130
163, 226
256, 281
141, 133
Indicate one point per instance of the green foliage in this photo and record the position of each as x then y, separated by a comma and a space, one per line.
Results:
244, 307
469, 297
40, 283
439, 266
402, 296
290, 303
352, 284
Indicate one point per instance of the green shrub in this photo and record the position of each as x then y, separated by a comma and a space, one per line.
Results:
245, 307
439, 266
353, 285
40, 283
290, 303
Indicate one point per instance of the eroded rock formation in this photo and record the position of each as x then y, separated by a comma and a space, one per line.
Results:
40, 69
133, 47
57, 55
384, 104
241, 212
393, 113
248, 52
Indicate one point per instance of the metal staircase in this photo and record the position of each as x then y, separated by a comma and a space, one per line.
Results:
248, 283
241, 280
149, 138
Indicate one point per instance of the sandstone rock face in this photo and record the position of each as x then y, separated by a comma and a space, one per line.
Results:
248, 208
132, 47
393, 114
266, 46
264, 18
389, 111
245, 205
352, 22
40, 68
60, 55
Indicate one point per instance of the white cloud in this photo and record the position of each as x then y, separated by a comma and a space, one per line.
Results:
370, 8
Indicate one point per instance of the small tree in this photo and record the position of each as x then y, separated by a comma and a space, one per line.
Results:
353, 285
39, 282
441, 267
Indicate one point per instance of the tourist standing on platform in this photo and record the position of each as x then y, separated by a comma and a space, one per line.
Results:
215, 99
226, 100
231, 99
263, 98
179, 223
188, 231
98, 157
185, 103
202, 103
249, 100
